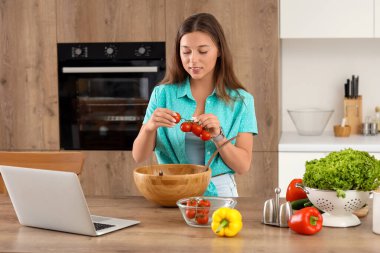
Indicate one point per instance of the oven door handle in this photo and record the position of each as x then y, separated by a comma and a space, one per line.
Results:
150, 69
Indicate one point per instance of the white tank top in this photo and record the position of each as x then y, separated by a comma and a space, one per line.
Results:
195, 149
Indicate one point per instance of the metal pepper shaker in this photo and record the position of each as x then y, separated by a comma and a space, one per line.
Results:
366, 128
373, 128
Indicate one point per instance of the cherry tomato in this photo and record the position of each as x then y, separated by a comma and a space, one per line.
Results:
201, 219
191, 202
196, 129
190, 213
205, 135
202, 211
204, 202
204, 207
177, 117
186, 126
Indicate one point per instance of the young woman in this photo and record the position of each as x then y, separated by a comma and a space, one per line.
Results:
200, 84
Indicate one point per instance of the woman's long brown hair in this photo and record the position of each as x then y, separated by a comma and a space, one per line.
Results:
224, 75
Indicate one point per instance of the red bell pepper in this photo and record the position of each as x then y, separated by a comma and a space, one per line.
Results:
307, 221
294, 193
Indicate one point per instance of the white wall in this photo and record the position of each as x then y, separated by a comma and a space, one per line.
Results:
313, 73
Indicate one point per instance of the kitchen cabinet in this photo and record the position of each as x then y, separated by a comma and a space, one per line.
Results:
377, 18
28, 73
295, 150
28, 76
327, 19
110, 20
255, 58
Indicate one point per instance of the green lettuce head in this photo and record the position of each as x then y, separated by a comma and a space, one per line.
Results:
344, 170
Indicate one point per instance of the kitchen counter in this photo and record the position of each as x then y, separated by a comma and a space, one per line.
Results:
164, 230
327, 142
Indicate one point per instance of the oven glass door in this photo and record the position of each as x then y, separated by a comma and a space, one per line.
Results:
104, 110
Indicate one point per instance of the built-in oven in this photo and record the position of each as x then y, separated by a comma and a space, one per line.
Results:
104, 89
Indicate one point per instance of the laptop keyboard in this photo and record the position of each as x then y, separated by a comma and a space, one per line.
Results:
100, 226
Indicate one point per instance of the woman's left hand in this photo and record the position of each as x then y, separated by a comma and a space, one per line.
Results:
209, 121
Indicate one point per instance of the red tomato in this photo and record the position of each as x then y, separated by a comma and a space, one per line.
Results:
294, 193
190, 213
205, 135
203, 211
202, 219
177, 117
204, 202
191, 202
196, 129
186, 126
204, 207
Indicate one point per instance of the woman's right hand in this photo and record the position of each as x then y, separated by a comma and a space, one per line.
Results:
161, 117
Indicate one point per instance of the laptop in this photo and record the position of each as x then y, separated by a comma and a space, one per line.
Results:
54, 200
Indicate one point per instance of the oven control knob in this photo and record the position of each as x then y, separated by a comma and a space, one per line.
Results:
110, 50
77, 51
141, 50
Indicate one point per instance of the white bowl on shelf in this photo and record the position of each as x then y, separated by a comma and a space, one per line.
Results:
310, 121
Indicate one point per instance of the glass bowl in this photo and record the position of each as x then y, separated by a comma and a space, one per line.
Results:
201, 216
310, 121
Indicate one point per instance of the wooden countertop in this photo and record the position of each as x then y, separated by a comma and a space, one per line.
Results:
164, 230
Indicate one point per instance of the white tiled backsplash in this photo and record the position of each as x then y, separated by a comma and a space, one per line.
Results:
313, 73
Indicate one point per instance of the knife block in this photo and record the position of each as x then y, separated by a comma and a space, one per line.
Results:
353, 113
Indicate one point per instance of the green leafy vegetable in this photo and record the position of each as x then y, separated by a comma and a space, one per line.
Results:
344, 170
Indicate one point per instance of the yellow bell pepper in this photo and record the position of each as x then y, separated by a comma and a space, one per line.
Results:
226, 222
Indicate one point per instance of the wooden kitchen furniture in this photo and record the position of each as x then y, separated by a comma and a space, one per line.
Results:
62, 161
164, 230
29, 118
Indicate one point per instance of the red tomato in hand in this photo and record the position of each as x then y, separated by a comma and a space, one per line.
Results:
205, 135
196, 129
177, 117
186, 126
294, 193
201, 219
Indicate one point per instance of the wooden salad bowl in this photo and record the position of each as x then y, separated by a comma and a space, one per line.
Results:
167, 183
164, 184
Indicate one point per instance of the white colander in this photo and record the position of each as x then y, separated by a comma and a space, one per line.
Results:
338, 211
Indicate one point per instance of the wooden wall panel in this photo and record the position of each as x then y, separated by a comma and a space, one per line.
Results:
108, 173
110, 20
28, 75
262, 178
251, 29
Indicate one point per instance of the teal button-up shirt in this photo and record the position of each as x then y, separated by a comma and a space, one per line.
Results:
235, 117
